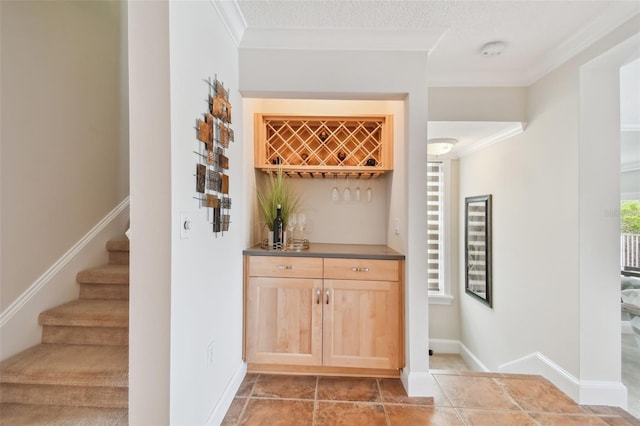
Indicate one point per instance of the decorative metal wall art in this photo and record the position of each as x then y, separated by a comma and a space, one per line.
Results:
212, 180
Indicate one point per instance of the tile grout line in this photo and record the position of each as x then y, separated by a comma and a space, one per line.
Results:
315, 402
246, 403
384, 405
506, 392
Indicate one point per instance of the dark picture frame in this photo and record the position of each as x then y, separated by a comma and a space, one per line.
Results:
477, 248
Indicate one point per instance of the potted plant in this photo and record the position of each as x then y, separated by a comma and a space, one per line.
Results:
276, 191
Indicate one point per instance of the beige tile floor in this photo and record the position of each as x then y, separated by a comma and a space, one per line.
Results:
461, 398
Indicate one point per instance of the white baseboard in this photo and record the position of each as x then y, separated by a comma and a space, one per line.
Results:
472, 360
220, 410
537, 363
603, 393
446, 346
417, 383
584, 392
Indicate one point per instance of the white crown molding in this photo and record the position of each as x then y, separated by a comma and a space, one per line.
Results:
340, 39
514, 129
583, 38
232, 18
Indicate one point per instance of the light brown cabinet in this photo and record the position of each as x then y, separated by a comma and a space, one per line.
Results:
361, 319
323, 313
283, 315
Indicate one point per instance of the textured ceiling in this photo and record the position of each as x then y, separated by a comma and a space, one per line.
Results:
539, 36
534, 31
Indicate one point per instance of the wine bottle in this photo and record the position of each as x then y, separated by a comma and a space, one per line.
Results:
278, 228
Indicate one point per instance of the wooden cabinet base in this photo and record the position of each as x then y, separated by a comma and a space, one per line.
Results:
321, 370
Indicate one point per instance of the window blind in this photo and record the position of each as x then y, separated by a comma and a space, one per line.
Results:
434, 225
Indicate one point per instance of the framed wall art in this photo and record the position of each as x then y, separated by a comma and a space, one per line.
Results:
477, 248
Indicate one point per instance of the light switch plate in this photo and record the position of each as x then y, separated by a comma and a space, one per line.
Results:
185, 225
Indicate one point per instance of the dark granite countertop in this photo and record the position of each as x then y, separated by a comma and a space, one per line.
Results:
350, 251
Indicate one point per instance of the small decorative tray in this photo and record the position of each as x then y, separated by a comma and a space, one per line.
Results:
291, 245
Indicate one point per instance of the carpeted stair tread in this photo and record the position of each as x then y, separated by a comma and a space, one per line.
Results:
118, 245
71, 365
118, 252
85, 335
65, 396
40, 415
88, 313
106, 274
104, 291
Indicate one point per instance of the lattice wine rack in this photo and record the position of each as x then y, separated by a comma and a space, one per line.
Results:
312, 146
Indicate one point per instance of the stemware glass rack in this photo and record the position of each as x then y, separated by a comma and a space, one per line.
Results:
324, 146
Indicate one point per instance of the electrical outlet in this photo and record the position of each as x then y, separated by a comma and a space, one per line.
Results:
210, 354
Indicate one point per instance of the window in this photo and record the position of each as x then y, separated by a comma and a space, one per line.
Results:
438, 234
434, 226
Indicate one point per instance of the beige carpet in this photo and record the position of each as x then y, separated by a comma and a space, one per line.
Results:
79, 374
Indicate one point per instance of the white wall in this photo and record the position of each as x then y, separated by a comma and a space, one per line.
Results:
369, 75
64, 146
328, 221
600, 221
186, 294
546, 252
478, 104
151, 215
206, 275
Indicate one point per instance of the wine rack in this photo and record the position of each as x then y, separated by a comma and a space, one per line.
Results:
313, 146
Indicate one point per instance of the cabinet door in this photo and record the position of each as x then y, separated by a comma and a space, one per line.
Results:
284, 321
361, 324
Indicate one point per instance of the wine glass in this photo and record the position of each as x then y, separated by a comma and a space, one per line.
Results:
335, 194
369, 192
346, 194
302, 223
358, 190
291, 226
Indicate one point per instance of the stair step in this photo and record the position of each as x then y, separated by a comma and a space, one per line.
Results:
106, 274
118, 252
26, 414
104, 291
88, 313
65, 396
67, 375
68, 365
85, 335
118, 245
